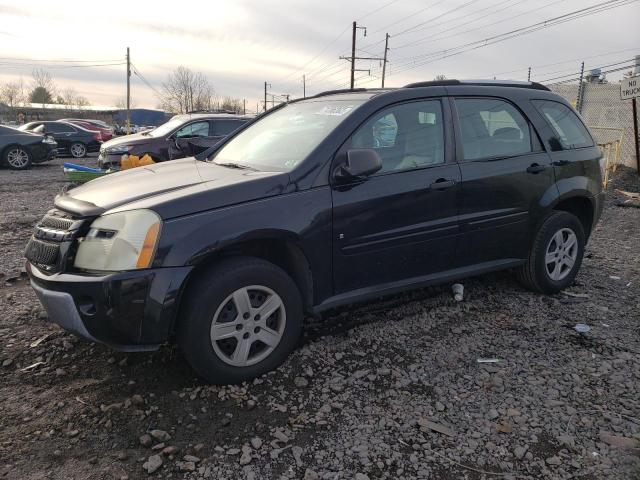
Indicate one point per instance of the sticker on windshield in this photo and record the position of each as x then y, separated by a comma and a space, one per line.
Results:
335, 110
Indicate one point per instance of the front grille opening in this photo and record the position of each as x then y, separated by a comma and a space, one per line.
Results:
42, 253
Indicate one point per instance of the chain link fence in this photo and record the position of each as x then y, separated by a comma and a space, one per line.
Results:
609, 118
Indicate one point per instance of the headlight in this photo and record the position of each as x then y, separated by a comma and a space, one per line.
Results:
120, 241
119, 149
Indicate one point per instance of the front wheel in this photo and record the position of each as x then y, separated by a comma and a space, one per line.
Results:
556, 254
17, 158
240, 320
78, 150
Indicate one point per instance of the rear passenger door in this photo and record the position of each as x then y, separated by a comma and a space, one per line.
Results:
505, 176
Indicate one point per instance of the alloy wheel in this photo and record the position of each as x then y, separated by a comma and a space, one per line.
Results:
248, 325
17, 158
78, 150
561, 254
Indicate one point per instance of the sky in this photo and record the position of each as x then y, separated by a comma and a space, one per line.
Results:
240, 44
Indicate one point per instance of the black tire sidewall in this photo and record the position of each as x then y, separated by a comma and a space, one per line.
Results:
5, 158
209, 291
550, 227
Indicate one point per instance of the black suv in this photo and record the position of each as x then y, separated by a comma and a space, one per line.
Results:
322, 202
183, 136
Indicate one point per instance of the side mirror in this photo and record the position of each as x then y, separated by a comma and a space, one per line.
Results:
361, 162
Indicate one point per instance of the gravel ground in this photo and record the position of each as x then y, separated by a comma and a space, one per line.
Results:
391, 389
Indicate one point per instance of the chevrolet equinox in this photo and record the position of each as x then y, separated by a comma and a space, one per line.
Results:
325, 201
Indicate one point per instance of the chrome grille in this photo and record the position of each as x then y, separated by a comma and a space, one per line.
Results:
51, 239
42, 253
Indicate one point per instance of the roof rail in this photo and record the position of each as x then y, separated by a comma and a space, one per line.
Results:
342, 90
212, 111
496, 83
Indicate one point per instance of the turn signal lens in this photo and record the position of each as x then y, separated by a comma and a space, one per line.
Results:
149, 246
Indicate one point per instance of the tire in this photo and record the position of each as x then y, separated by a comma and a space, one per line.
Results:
78, 150
213, 306
556, 254
17, 158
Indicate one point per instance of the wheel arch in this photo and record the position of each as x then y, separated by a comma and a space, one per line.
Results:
277, 247
579, 205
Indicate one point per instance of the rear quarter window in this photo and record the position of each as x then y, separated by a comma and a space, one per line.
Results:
570, 132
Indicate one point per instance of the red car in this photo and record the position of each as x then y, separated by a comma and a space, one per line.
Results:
105, 132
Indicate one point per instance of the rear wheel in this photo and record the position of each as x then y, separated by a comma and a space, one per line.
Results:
17, 158
78, 150
240, 320
556, 254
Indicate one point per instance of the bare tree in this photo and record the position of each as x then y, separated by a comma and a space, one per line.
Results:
121, 103
12, 93
81, 102
69, 96
232, 105
186, 91
43, 87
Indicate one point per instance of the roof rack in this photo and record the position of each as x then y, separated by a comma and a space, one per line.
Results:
496, 83
212, 111
342, 90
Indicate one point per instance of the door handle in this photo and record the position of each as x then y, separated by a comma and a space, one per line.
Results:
535, 168
442, 184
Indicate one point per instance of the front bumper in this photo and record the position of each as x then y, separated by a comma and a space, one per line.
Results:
106, 160
129, 311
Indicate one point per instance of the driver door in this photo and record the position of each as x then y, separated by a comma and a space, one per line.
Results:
189, 140
399, 225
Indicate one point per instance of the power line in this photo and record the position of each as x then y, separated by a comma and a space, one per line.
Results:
60, 61
417, 42
136, 71
573, 74
562, 62
22, 65
446, 53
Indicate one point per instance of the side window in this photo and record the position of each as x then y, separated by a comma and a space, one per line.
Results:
196, 129
571, 132
492, 128
56, 127
406, 136
225, 127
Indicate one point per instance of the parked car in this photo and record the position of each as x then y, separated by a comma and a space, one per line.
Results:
72, 139
182, 136
106, 132
323, 202
19, 150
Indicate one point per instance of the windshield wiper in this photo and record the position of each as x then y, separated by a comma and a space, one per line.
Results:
236, 165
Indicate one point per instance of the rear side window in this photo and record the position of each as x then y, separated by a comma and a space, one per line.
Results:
491, 128
570, 131
225, 127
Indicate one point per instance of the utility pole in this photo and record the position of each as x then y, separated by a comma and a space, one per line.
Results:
529, 75
244, 106
384, 62
353, 57
580, 89
353, 54
265, 96
304, 86
128, 92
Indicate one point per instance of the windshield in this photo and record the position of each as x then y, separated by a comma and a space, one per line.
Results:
166, 128
283, 139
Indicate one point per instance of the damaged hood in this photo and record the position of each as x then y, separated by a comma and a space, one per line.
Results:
172, 189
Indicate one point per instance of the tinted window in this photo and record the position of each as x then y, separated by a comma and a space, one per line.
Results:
570, 131
225, 127
492, 128
58, 127
405, 136
197, 129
